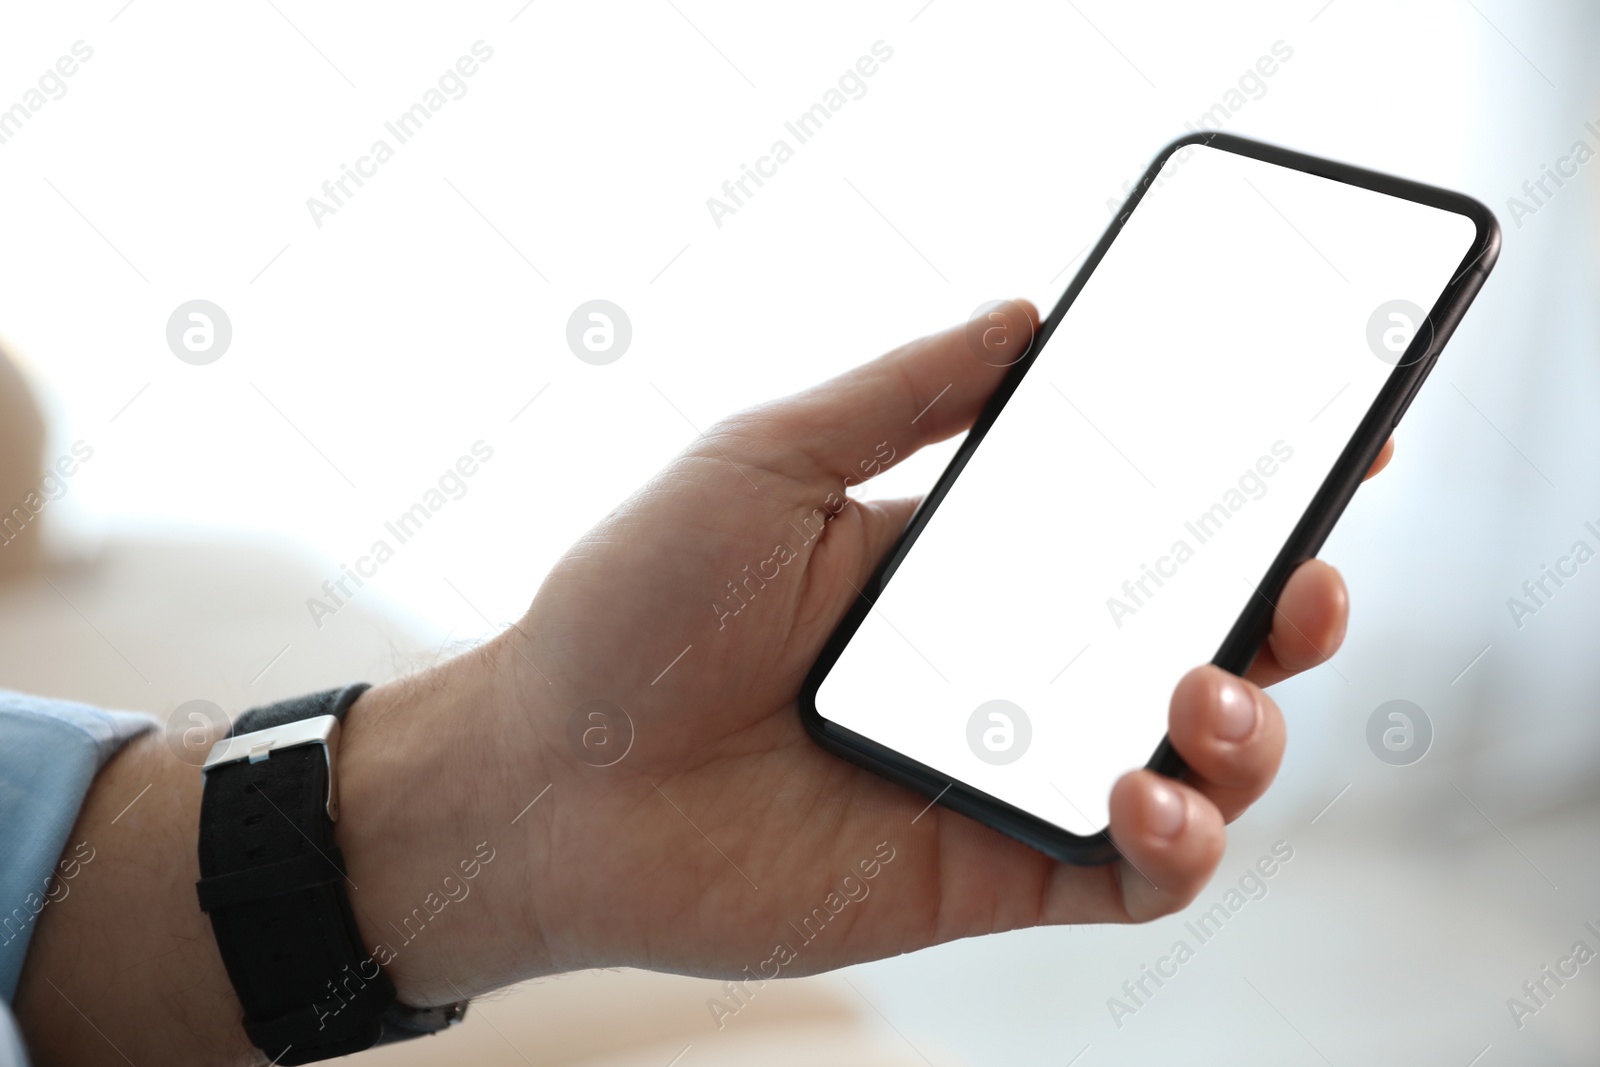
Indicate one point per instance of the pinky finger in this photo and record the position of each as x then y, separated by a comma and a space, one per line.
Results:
1171, 839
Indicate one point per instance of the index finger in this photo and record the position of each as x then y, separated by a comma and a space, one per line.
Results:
1384, 456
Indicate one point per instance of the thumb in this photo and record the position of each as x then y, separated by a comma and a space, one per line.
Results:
920, 393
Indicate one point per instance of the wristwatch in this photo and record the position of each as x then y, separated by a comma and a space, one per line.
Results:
273, 883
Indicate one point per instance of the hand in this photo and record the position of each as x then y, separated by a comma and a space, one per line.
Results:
724, 828
724, 824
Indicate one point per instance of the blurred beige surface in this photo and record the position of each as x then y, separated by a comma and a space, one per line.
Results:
21, 461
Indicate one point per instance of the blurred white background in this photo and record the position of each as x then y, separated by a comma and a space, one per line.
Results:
429, 312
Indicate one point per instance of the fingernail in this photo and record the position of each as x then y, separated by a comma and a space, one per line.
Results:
1236, 710
1168, 812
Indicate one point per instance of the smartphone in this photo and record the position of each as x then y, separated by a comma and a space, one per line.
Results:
1185, 428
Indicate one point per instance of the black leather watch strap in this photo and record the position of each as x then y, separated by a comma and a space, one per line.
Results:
274, 884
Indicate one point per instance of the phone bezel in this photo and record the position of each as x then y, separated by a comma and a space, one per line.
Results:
1238, 648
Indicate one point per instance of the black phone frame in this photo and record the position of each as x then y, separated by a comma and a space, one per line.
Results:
1239, 647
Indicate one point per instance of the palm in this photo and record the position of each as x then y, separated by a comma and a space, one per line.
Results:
718, 736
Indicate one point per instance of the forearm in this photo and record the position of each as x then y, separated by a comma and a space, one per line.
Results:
127, 966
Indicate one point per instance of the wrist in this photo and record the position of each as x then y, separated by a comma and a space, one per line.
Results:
433, 769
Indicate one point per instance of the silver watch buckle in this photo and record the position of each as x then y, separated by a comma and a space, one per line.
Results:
261, 744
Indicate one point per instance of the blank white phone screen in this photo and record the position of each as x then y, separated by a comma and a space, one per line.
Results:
1112, 525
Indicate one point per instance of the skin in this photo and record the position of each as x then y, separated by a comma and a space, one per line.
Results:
722, 826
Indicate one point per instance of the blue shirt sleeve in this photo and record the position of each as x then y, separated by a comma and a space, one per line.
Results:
50, 751
12, 1054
